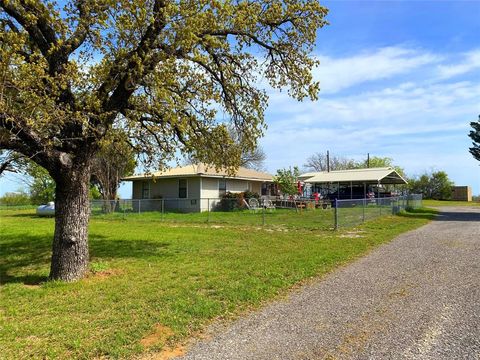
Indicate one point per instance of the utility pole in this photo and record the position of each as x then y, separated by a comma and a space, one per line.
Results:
328, 161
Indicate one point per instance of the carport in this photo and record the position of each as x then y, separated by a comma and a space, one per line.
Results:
351, 184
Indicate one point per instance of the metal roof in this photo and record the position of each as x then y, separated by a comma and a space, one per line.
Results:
204, 171
384, 175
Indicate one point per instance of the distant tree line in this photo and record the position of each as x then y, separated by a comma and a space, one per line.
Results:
434, 185
115, 160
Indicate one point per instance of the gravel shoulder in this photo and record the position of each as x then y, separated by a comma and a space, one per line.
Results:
417, 297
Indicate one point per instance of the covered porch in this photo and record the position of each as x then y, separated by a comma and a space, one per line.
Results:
352, 184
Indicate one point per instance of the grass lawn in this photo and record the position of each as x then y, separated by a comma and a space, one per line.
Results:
154, 283
428, 203
312, 219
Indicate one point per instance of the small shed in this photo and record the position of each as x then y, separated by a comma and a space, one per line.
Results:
352, 184
462, 193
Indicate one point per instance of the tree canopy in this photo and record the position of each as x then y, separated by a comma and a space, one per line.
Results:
318, 162
475, 136
159, 69
287, 180
114, 160
168, 73
436, 185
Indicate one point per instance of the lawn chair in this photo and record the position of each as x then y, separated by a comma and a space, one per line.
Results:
268, 204
253, 204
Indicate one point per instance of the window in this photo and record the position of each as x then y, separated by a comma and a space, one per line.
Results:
182, 188
265, 189
146, 190
222, 186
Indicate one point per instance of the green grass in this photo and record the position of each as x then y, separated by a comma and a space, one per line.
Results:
428, 203
147, 273
289, 218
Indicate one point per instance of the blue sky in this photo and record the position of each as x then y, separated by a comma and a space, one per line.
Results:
398, 79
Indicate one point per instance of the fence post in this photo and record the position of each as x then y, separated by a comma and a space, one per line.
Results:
263, 214
124, 206
163, 208
139, 204
208, 210
380, 205
336, 214
364, 205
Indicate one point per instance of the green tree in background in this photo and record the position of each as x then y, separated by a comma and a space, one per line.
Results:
115, 159
318, 162
475, 136
287, 180
41, 184
376, 161
436, 186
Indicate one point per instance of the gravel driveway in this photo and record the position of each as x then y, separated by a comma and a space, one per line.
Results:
417, 297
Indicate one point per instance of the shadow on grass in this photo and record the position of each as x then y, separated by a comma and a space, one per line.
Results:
422, 213
24, 256
434, 214
23, 251
458, 216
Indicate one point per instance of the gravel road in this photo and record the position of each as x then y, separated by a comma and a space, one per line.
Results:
417, 297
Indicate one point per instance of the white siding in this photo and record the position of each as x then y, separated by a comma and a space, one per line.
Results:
199, 189
167, 189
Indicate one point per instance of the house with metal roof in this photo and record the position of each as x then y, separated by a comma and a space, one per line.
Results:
352, 184
194, 187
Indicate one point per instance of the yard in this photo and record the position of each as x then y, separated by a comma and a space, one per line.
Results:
154, 283
450, 203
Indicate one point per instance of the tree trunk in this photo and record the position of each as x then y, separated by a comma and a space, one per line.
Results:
72, 211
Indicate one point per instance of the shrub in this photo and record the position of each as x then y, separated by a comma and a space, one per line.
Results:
235, 201
15, 199
250, 194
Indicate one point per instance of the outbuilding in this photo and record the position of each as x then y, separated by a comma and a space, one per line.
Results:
352, 184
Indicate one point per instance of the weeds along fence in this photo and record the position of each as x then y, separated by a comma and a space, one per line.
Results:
300, 213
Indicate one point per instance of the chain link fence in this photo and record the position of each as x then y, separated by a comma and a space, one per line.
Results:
357, 211
285, 213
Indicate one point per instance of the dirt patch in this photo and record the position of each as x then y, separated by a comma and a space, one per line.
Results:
353, 234
159, 336
167, 354
32, 286
102, 275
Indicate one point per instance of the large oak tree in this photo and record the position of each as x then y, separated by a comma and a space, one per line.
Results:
168, 73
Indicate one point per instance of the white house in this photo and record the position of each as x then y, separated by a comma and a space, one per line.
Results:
194, 187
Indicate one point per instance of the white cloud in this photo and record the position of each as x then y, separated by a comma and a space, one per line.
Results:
336, 74
415, 117
470, 62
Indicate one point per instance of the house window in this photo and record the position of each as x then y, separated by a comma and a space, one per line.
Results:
222, 186
145, 189
264, 189
182, 188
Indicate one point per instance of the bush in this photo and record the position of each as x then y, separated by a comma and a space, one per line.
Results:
15, 199
235, 201
250, 194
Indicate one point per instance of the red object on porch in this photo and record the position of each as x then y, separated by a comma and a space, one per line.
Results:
299, 187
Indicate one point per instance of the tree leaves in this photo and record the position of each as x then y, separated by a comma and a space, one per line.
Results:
475, 136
